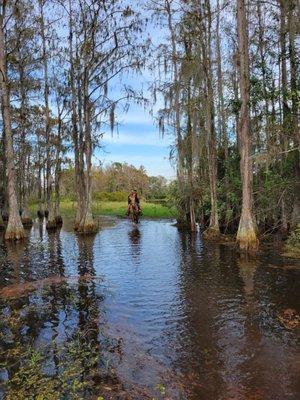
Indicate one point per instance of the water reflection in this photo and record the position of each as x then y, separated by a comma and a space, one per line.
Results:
193, 318
135, 236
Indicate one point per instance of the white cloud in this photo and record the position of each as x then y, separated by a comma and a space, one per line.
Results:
142, 139
154, 165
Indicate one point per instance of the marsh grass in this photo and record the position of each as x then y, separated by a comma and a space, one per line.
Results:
115, 208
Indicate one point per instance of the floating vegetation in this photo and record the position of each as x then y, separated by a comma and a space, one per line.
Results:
289, 318
53, 342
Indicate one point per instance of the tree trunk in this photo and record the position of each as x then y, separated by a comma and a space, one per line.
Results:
262, 52
285, 110
246, 235
51, 222
295, 87
25, 216
213, 229
77, 125
14, 228
87, 223
57, 213
190, 157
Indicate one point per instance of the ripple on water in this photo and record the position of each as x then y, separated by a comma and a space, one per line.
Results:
191, 316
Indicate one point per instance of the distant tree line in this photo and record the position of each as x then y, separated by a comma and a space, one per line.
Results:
115, 182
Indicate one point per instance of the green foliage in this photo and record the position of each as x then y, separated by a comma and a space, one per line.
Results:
110, 196
115, 208
294, 238
292, 248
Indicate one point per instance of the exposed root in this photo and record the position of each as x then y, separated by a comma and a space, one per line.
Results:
15, 233
88, 225
212, 233
247, 240
248, 245
88, 228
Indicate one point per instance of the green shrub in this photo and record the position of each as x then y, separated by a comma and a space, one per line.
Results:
113, 196
294, 238
292, 247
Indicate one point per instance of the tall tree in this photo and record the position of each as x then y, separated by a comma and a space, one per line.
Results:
51, 222
246, 235
14, 228
213, 229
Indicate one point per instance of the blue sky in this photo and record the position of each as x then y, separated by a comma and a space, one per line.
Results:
138, 142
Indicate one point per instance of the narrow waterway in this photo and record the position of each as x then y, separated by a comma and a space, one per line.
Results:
145, 311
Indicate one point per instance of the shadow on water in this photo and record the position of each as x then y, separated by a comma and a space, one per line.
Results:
144, 312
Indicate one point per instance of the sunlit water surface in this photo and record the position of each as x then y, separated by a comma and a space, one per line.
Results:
164, 313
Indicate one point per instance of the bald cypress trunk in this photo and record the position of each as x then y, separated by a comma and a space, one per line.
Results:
295, 88
75, 122
213, 229
51, 223
87, 223
14, 228
26, 219
246, 235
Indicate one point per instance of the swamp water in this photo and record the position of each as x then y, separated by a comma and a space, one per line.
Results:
144, 312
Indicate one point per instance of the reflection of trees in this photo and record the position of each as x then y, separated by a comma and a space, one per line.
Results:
265, 342
223, 334
88, 310
210, 330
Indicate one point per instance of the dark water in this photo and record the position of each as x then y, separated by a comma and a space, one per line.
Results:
145, 312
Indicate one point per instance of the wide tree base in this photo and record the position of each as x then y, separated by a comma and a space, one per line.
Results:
59, 220
247, 241
40, 214
88, 227
15, 233
51, 225
27, 222
212, 233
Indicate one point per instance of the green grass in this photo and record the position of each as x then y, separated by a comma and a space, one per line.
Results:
116, 208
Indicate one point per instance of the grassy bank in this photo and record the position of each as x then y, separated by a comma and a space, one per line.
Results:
115, 208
